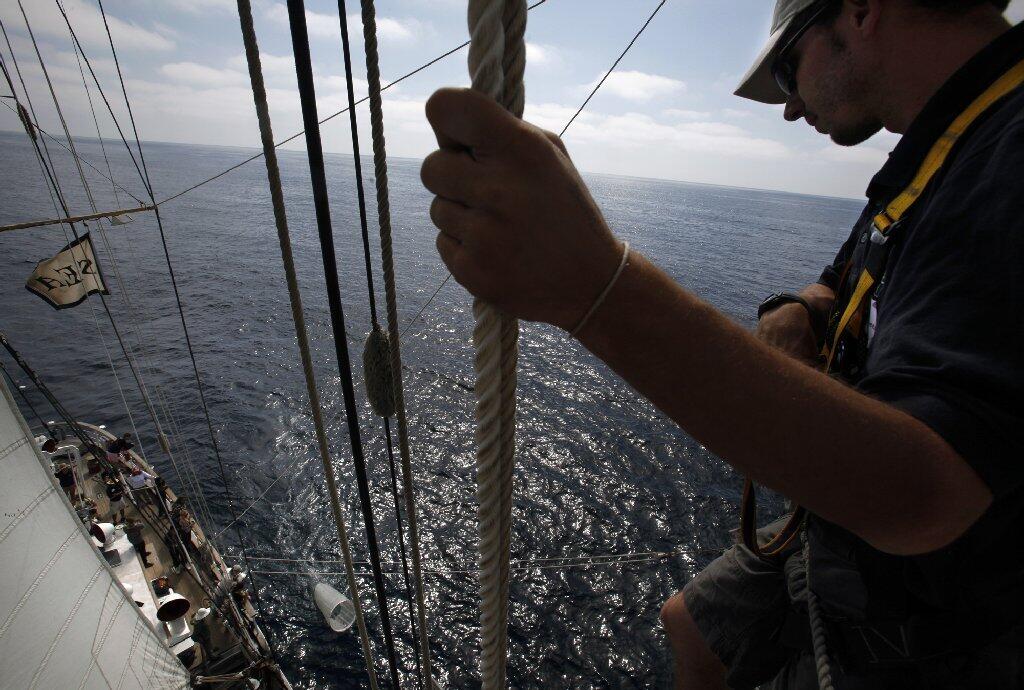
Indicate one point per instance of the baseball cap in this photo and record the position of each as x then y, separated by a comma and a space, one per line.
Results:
758, 84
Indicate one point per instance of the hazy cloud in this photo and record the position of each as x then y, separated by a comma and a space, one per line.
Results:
637, 86
46, 20
638, 131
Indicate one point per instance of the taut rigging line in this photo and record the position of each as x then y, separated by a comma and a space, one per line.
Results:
318, 175
259, 92
140, 166
377, 333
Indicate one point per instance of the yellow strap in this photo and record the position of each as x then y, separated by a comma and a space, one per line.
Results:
941, 148
864, 284
933, 162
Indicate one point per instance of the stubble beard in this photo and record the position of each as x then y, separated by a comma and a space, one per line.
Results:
850, 91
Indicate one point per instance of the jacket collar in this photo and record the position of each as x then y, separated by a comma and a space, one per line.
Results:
952, 98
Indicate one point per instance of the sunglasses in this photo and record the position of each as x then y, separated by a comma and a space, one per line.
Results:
784, 68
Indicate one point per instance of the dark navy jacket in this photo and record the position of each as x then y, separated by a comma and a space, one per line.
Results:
948, 348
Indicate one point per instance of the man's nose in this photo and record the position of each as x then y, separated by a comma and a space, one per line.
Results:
794, 108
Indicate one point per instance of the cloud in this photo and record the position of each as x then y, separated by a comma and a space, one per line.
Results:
636, 86
388, 28
202, 75
542, 55
319, 25
276, 68
87, 22
680, 114
202, 6
336, 82
737, 113
639, 131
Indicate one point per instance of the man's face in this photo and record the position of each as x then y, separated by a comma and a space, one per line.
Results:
832, 89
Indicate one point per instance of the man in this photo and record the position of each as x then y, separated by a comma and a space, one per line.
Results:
141, 485
117, 452
115, 495
133, 530
202, 633
66, 476
907, 456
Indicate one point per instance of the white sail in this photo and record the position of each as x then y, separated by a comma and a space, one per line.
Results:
65, 621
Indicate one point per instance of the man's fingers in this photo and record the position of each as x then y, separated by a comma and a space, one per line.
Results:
453, 175
466, 118
449, 249
451, 218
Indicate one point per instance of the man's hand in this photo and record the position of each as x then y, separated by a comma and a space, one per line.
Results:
518, 226
788, 327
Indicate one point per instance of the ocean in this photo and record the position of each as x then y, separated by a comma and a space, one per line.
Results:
599, 470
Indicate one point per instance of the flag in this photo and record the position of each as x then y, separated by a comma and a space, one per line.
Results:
69, 277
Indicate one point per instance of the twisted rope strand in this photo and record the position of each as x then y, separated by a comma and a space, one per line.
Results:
380, 166
514, 100
497, 60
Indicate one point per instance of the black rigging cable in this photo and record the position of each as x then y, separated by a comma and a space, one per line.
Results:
354, 129
140, 166
314, 152
612, 68
63, 202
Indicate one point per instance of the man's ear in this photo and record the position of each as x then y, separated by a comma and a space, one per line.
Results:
864, 15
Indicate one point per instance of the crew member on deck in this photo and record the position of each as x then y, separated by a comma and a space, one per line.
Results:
887, 398
115, 494
117, 452
66, 476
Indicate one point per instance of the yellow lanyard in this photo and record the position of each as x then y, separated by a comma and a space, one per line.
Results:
899, 206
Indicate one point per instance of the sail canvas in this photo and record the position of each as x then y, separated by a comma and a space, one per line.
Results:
65, 621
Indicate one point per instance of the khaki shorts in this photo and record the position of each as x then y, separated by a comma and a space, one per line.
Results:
752, 614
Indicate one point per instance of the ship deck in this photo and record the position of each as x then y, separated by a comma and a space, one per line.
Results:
223, 654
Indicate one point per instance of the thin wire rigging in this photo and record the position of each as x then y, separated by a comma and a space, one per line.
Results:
330, 117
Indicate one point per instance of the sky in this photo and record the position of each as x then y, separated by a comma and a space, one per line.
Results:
667, 112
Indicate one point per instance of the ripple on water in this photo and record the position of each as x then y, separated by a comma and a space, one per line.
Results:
598, 470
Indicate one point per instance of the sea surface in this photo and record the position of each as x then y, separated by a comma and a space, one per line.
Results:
599, 470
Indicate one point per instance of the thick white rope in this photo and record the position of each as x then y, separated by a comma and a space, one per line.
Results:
497, 60
259, 92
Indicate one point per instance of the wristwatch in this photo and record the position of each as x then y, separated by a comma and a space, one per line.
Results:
777, 299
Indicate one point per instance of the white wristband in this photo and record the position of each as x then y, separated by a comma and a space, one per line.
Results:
604, 293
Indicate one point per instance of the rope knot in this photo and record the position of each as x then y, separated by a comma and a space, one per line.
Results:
377, 372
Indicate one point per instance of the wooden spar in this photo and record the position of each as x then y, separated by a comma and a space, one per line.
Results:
75, 219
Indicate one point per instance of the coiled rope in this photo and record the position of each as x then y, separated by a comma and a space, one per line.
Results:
259, 92
497, 61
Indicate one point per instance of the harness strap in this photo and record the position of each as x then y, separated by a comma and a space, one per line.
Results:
748, 526
898, 207
851, 318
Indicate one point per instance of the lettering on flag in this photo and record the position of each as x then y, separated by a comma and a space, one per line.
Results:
69, 277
